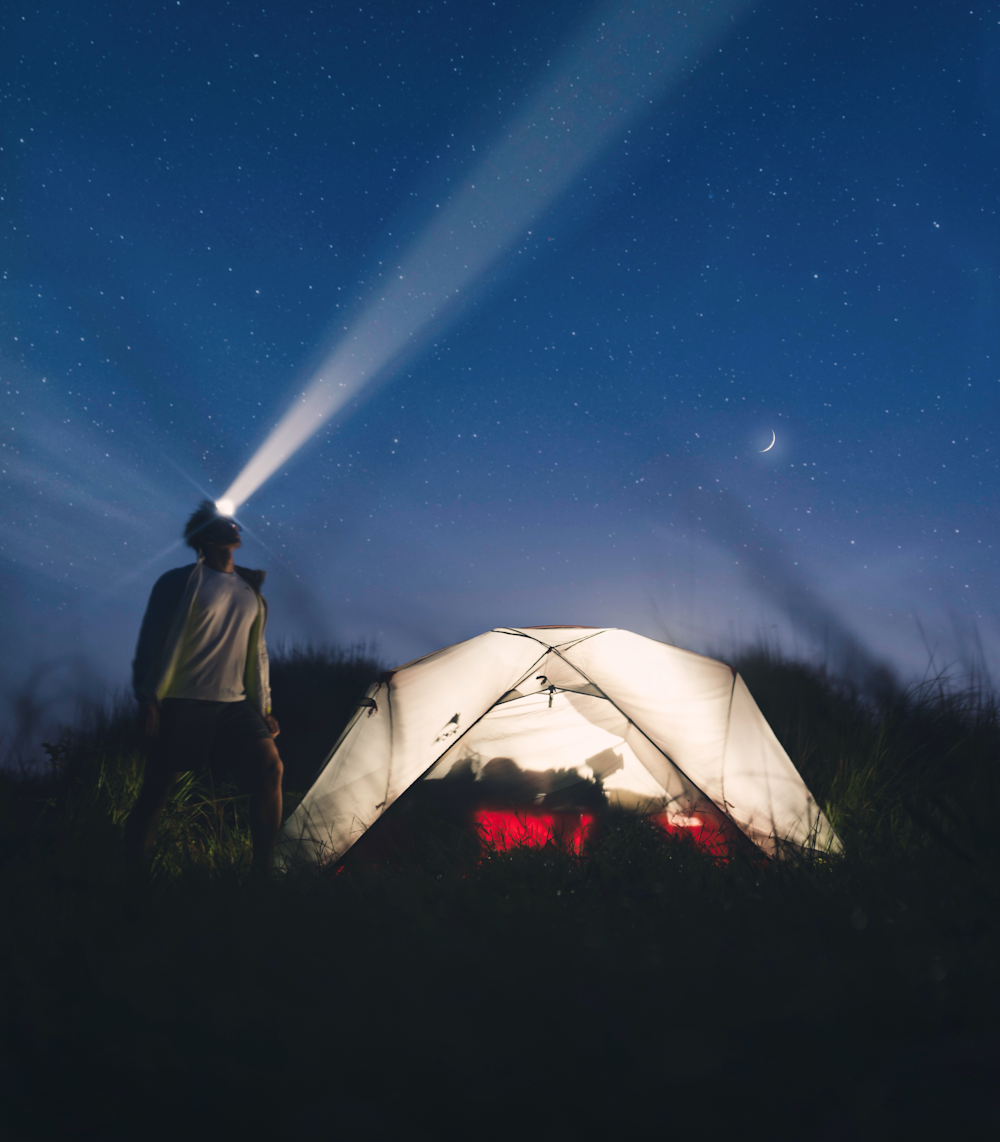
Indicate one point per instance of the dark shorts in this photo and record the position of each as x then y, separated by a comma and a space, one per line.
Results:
192, 731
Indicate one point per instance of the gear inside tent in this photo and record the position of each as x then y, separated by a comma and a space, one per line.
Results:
532, 734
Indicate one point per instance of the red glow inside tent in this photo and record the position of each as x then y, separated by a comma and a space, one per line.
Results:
710, 831
504, 829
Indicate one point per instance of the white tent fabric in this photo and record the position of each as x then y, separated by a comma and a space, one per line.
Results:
662, 729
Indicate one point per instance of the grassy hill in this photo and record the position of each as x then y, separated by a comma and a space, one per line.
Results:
636, 985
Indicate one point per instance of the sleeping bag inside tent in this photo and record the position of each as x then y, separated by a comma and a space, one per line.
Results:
533, 734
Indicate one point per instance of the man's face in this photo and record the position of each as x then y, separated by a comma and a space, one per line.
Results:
222, 532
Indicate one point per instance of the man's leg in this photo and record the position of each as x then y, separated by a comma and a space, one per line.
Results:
143, 821
265, 803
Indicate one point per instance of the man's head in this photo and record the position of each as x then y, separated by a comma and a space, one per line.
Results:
207, 528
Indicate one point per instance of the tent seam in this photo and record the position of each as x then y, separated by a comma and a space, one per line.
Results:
392, 748
450, 746
725, 744
651, 742
548, 646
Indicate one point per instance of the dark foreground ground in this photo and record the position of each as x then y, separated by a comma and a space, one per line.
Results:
636, 989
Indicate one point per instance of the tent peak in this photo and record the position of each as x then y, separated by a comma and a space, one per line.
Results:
553, 636
559, 626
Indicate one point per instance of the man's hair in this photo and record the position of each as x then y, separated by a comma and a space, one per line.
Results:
198, 529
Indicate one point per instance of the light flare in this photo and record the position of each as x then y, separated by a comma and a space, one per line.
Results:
625, 58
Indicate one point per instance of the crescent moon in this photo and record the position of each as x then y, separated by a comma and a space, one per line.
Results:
771, 445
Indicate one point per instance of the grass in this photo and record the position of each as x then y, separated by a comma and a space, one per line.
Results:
637, 985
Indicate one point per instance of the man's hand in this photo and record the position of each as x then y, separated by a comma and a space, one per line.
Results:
149, 716
272, 725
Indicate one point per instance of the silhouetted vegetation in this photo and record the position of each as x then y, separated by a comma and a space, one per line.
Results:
314, 691
637, 984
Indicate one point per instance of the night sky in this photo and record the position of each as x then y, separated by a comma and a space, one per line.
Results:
795, 233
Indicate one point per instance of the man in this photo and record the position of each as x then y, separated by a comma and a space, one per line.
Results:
200, 676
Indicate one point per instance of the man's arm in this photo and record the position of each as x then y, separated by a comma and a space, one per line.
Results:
264, 674
163, 601
149, 716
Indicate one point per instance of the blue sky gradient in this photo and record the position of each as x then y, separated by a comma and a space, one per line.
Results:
799, 236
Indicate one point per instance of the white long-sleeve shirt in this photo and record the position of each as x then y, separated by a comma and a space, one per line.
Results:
211, 663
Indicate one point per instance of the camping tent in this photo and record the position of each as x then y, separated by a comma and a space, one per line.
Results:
640, 724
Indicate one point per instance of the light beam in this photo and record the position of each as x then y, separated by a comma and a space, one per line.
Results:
625, 58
